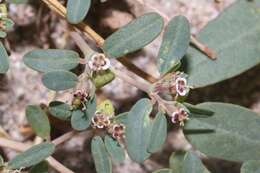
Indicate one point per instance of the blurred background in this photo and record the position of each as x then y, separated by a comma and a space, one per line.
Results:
37, 27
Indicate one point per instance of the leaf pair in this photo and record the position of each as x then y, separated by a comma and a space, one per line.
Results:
141, 131
55, 64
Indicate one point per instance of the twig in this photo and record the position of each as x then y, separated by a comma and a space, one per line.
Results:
203, 48
64, 138
20, 147
89, 32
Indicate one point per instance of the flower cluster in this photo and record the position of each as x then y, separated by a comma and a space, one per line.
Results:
175, 83
100, 121
99, 62
79, 99
179, 116
117, 131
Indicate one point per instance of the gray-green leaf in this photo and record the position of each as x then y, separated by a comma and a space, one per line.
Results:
134, 35
235, 37
175, 43
198, 112
59, 80
101, 158
40, 168
251, 166
176, 161
159, 133
60, 110
192, 164
232, 133
4, 59
46, 60
116, 152
165, 170
79, 120
138, 130
38, 120
32, 156
77, 10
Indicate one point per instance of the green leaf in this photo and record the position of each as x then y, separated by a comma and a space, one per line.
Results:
81, 120
235, 37
134, 35
38, 120
116, 152
176, 161
159, 133
192, 164
4, 59
103, 78
59, 80
165, 170
232, 133
101, 158
77, 10
32, 156
121, 118
195, 111
40, 168
175, 43
46, 60
251, 166
60, 110
138, 130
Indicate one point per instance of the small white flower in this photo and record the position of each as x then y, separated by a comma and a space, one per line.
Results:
179, 116
181, 86
99, 62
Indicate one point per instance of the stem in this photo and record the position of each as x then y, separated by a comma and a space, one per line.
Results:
17, 146
89, 32
64, 138
203, 48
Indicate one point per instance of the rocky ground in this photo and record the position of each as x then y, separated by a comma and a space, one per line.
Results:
36, 27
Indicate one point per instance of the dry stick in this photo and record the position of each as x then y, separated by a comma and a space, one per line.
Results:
203, 48
89, 32
17, 146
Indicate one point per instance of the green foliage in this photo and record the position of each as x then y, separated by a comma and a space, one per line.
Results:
115, 150
251, 166
38, 120
165, 170
59, 80
192, 164
102, 78
81, 120
234, 36
40, 168
51, 59
138, 130
4, 59
60, 110
198, 112
176, 161
226, 134
159, 133
101, 158
77, 10
32, 156
134, 35
175, 43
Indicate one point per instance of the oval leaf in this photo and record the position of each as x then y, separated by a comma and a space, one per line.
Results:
195, 111
138, 130
134, 35
226, 134
236, 45
59, 80
192, 164
79, 120
252, 166
4, 59
60, 110
175, 43
116, 152
46, 60
32, 156
176, 161
40, 168
159, 133
38, 120
102, 161
77, 10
